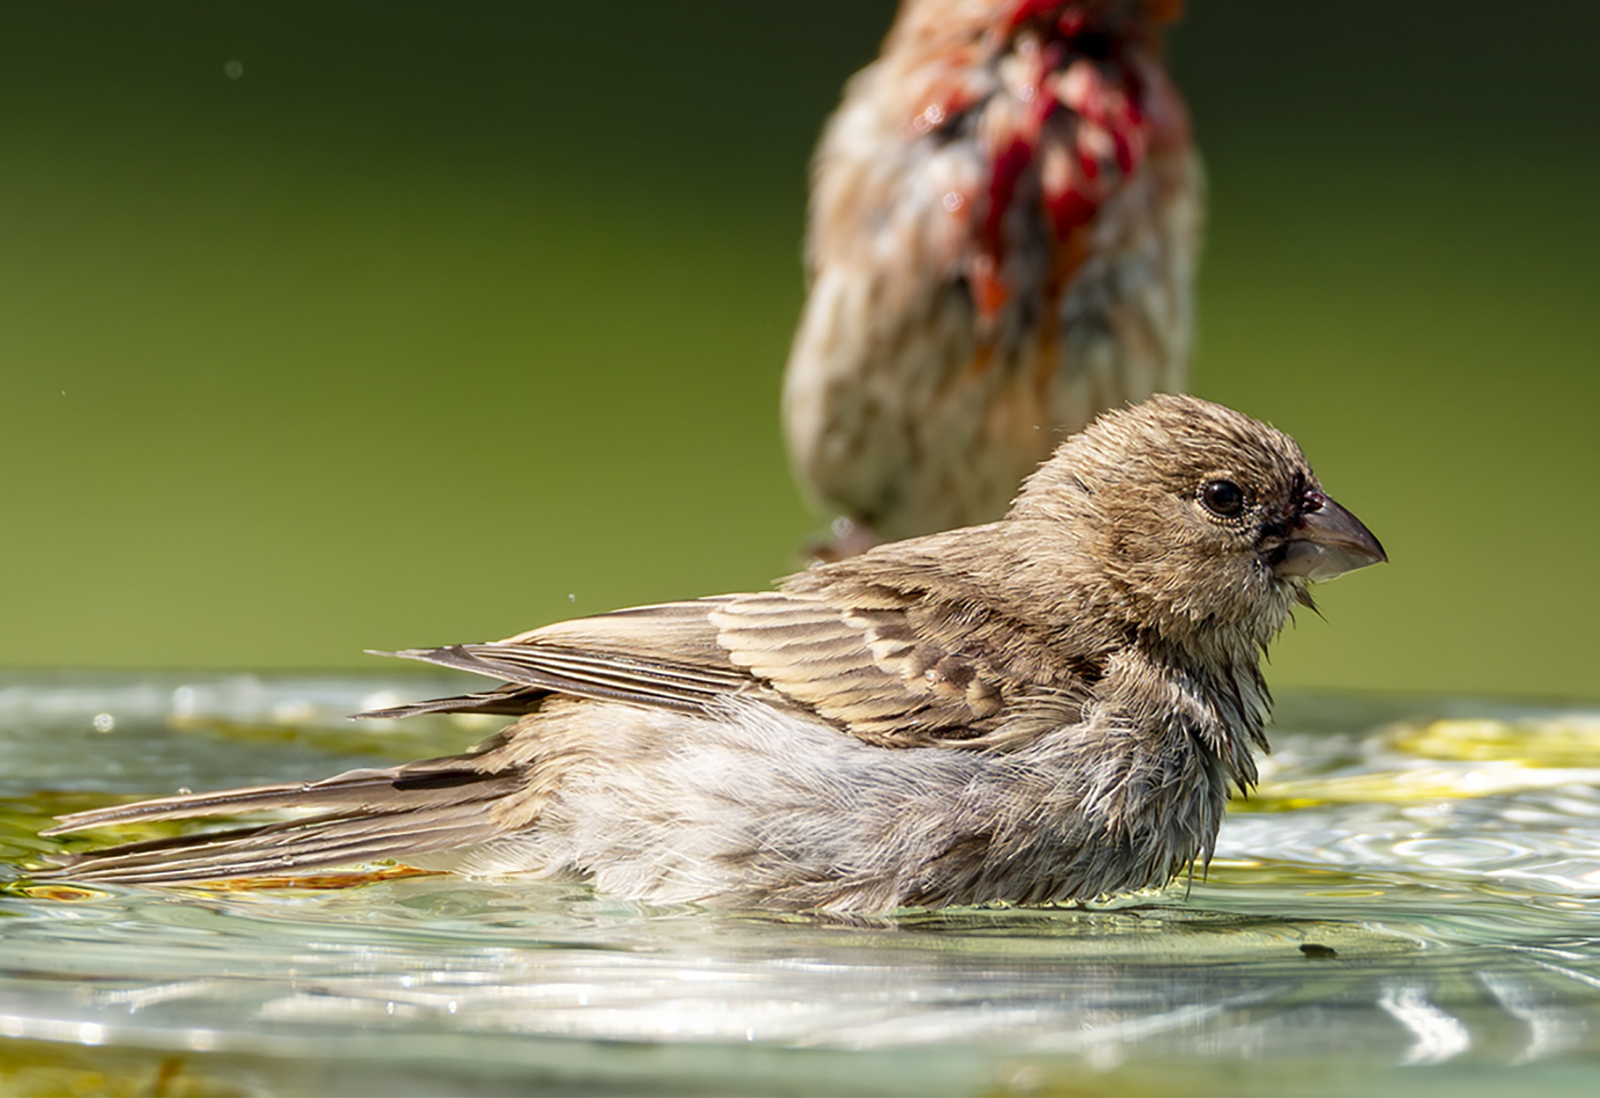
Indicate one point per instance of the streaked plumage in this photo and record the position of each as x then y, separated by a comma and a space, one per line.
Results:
1004, 226
1049, 707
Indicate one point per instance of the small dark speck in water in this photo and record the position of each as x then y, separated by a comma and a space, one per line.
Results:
1315, 952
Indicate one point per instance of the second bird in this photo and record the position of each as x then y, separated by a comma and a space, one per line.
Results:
1005, 220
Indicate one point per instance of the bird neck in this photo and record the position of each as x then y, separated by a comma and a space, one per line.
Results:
1220, 689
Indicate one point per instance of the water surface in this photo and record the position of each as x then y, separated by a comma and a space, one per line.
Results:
1408, 903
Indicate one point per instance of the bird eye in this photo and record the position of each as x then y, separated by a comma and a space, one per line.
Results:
1222, 498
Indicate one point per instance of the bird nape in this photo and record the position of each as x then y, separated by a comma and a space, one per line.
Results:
1053, 706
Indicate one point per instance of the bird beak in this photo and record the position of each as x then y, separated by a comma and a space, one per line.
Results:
1326, 541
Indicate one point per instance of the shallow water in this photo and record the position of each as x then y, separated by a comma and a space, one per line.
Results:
1407, 904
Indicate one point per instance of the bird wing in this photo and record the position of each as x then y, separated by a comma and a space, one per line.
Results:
860, 663
664, 655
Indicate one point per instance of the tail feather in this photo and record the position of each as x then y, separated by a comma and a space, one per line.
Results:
318, 842
227, 802
384, 789
358, 816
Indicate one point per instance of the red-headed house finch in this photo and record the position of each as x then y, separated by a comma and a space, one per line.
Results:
1003, 233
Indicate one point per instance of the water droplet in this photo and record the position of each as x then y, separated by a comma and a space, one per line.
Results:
104, 722
233, 70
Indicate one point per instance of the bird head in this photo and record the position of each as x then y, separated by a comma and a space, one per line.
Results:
1205, 524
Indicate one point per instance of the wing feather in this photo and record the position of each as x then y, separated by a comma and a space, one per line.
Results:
864, 658
861, 663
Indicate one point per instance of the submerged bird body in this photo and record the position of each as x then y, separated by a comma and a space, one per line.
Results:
1004, 229
1053, 706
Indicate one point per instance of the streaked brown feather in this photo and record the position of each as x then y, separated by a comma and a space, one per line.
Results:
877, 659
1100, 645
434, 804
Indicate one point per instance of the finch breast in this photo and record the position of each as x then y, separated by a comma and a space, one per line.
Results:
1003, 233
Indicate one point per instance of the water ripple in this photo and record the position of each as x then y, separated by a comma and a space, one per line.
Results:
1411, 894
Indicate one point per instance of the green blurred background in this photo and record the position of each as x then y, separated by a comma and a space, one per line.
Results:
434, 322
